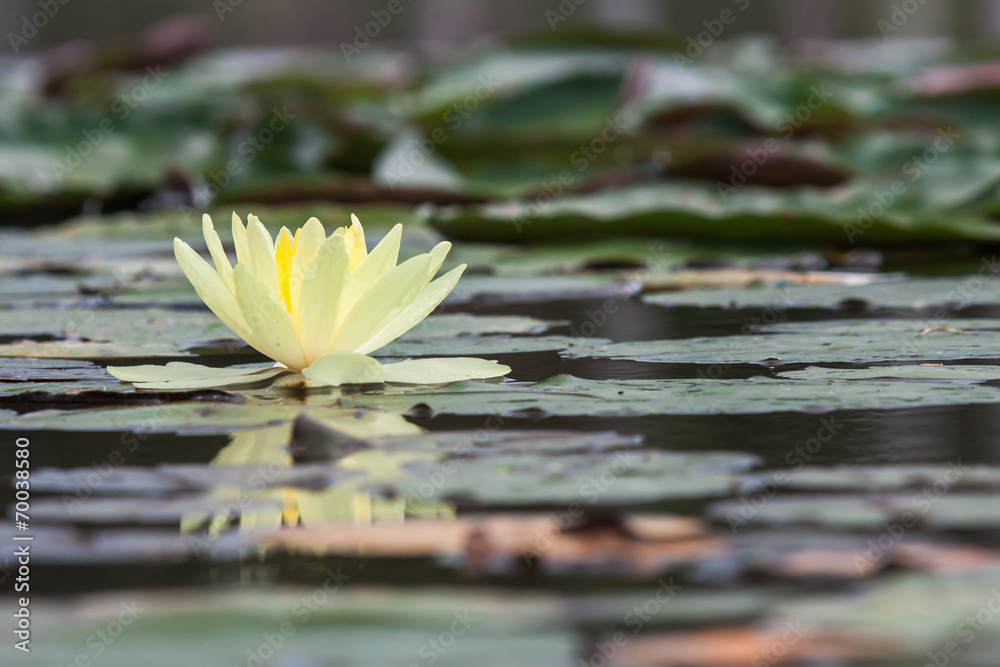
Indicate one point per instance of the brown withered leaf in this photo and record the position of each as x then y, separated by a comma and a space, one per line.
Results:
639, 546
787, 644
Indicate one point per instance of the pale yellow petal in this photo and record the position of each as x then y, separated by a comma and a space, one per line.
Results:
355, 241
442, 370
222, 264
212, 291
262, 262
381, 303
378, 262
240, 239
270, 322
318, 303
438, 254
421, 307
308, 240
344, 368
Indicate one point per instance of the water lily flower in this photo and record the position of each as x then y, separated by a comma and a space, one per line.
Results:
318, 305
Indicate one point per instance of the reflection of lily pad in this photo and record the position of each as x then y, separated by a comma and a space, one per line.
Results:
170, 418
587, 479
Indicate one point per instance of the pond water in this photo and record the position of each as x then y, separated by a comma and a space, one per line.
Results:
104, 529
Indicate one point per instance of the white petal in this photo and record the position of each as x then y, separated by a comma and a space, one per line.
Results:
270, 322
213, 291
222, 264
447, 369
310, 238
240, 239
374, 266
381, 303
410, 316
318, 306
262, 262
344, 368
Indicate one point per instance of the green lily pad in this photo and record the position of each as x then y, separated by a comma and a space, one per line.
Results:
933, 507
370, 628
565, 395
949, 293
697, 211
886, 478
908, 372
481, 345
819, 342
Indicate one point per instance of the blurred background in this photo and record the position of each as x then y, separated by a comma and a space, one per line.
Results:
454, 22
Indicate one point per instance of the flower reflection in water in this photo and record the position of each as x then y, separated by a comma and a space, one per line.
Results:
265, 455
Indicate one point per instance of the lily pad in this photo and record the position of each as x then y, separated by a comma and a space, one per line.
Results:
909, 372
565, 395
951, 293
819, 342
